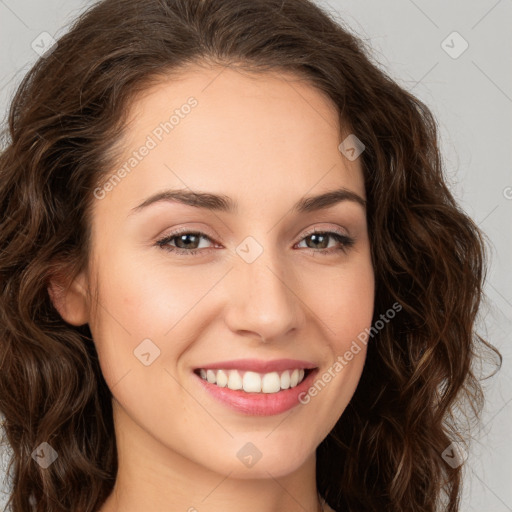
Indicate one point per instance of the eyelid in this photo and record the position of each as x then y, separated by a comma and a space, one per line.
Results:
187, 229
317, 229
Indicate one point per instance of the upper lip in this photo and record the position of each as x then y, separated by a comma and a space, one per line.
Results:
259, 365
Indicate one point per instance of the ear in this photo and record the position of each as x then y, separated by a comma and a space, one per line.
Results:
70, 298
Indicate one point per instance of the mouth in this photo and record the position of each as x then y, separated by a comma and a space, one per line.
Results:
257, 387
254, 382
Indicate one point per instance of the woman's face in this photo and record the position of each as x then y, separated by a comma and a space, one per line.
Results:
254, 285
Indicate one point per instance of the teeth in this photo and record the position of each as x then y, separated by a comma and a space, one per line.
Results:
252, 382
211, 377
234, 381
271, 383
222, 379
285, 380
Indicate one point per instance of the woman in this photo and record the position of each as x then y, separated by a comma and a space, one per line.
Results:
233, 276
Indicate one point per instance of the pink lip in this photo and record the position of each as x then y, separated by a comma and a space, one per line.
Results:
260, 366
259, 404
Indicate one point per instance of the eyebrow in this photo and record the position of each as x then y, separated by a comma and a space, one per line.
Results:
223, 203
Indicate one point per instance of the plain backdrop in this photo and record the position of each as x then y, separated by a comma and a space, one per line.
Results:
456, 57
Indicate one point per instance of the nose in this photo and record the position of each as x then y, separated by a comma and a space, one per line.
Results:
263, 299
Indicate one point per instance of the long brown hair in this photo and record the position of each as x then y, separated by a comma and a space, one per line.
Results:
385, 452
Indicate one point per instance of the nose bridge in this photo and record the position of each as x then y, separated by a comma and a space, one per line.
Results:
263, 301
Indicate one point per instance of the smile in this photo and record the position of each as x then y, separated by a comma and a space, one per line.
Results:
256, 387
253, 382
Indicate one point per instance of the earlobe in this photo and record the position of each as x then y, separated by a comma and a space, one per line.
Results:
70, 299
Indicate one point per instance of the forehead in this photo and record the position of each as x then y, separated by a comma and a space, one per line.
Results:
224, 130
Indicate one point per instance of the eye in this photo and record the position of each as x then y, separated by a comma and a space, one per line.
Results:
186, 242
320, 240
189, 242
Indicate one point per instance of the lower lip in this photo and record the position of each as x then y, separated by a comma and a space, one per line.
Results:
260, 404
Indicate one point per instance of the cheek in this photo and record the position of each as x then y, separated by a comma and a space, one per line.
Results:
343, 300
344, 306
144, 302
136, 305
345, 312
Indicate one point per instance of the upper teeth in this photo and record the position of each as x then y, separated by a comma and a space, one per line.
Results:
252, 382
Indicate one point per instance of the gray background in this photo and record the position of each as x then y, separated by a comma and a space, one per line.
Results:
470, 95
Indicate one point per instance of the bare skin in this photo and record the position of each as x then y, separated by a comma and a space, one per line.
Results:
266, 141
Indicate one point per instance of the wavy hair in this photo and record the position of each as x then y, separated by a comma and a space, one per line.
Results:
385, 452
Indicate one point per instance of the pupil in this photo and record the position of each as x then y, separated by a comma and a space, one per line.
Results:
316, 236
182, 238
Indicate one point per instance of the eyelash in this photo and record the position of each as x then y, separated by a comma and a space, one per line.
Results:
345, 241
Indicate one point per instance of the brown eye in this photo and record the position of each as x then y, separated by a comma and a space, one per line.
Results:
320, 240
183, 243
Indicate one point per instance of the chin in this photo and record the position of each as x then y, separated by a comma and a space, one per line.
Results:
250, 462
